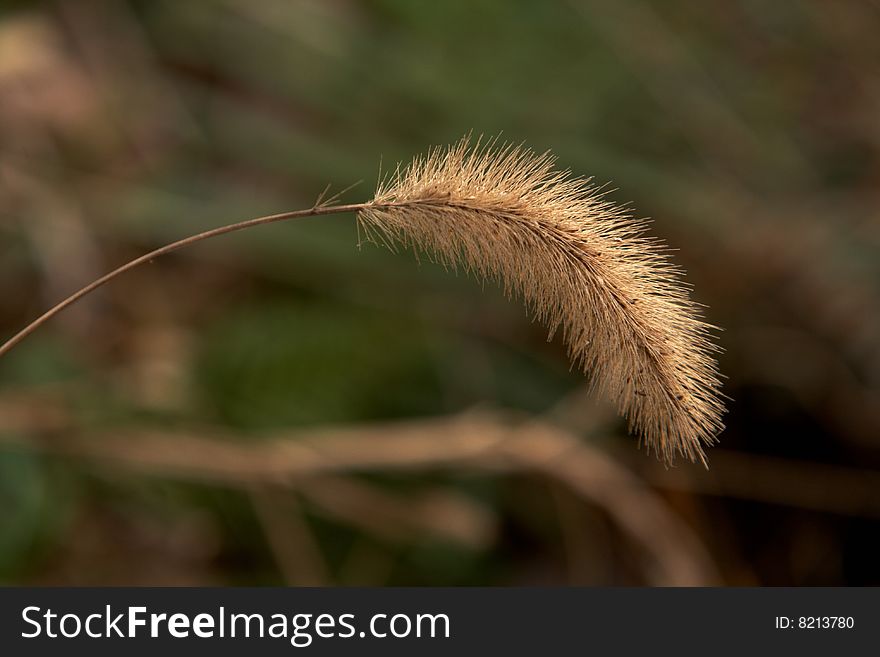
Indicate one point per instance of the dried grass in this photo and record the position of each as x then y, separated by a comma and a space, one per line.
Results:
581, 264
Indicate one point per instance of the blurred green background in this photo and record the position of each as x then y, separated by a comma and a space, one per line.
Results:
280, 406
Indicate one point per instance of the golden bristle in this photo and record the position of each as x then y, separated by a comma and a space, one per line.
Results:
581, 264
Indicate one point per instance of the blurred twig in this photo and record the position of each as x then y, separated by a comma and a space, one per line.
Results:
484, 441
296, 550
439, 513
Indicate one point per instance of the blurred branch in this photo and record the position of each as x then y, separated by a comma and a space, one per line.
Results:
293, 544
40, 422
440, 513
484, 441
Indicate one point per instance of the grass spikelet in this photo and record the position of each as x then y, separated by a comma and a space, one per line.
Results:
581, 264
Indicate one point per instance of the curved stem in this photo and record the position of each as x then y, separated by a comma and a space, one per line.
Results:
168, 248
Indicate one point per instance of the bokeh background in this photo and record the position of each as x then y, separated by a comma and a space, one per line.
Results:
280, 406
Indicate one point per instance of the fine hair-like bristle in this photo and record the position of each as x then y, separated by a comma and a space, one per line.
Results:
583, 266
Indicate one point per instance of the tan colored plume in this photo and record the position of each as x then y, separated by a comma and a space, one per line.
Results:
579, 262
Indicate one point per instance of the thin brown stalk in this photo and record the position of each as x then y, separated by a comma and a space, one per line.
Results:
168, 248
